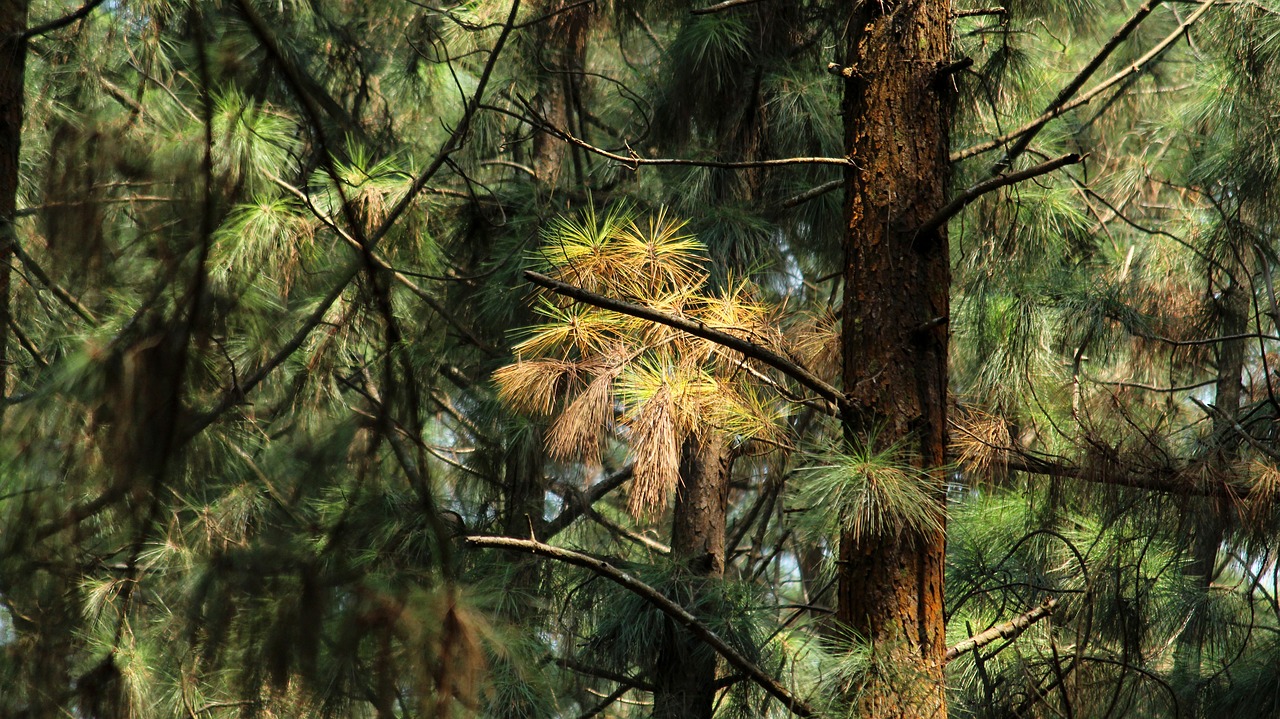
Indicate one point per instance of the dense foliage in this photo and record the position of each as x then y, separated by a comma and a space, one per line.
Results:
393, 358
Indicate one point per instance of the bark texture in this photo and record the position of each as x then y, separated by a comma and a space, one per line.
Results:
895, 333
13, 57
685, 676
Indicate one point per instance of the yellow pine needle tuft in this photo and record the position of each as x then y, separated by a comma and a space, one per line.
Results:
578, 430
656, 446
981, 442
532, 385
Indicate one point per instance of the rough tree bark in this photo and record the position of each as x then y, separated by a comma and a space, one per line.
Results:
684, 677
896, 121
13, 56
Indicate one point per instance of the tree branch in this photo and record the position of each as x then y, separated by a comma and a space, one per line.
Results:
726, 5
63, 21
812, 193
1138, 66
1188, 480
978, 11
578, 504
1078, 81
657, 599
634, 160
966, 197
1008, 630
697, 329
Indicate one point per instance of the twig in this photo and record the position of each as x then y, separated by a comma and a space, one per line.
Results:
812, 193
1008, 630
726, 5
973, 193
657, 599
697, 329
1138, 66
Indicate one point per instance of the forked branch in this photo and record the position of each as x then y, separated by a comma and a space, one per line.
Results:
657, 599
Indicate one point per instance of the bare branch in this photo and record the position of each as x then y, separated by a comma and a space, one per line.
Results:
726, 5
634, 160
1138, 66
978, 11
812, 193
697, 329
585, 499
1008, 630
966, 197
657, 599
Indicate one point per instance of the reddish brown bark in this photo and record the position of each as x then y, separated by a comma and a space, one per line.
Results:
896, 114
13, 57
684, 677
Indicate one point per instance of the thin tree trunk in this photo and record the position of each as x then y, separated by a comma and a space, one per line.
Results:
13, 58
561, 53
685, 675
896, 115
1208, 516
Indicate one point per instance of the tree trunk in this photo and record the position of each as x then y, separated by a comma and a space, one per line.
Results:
13, 57
1208, 516
895, 332
685, 676
561, 54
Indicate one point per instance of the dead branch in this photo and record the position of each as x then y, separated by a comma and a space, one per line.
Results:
965, 198
1008, 630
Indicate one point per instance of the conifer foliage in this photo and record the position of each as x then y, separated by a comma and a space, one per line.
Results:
670, 358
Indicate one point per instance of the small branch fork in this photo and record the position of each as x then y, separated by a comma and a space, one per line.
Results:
1009, 630
657, 599
697, 329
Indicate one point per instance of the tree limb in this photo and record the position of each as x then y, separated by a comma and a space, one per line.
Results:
1008, 630
726, 5
966, 197
634, 161
1138, 66
578, 504
63, 21
1078, 81
812, 193
657, 599
697, 329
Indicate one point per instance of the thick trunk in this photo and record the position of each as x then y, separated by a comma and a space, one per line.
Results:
685, 675
13, 56
895, 332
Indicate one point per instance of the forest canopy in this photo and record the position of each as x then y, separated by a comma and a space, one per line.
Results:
639, 358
